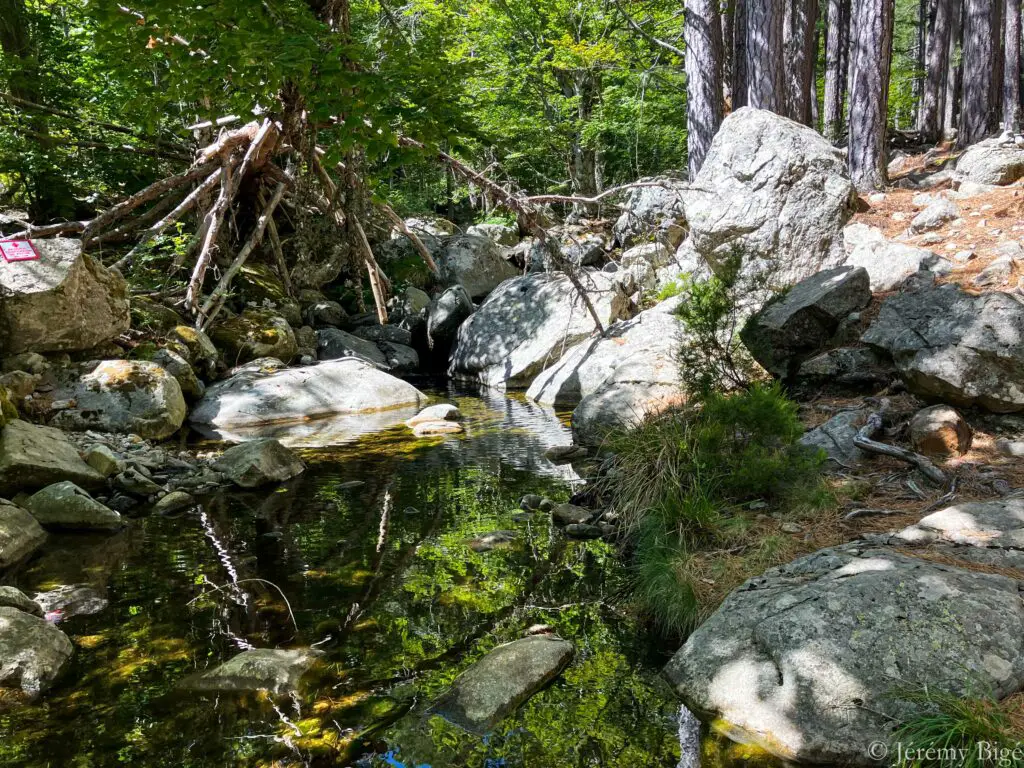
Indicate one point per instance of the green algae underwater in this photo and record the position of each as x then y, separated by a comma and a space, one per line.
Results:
364, 556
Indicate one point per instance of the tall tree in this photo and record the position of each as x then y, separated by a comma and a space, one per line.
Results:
800, 24
764, 50
979, 63
951, 101
1011, 66
936, 64
739, 54
871, 57
703, 78
836, 45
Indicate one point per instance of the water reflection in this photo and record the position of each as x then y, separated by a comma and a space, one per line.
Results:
378, 575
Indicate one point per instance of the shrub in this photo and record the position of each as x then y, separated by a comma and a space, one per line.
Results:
682, 481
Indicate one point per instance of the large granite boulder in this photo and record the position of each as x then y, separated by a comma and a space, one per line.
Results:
616, 380
800, 322
527, 323
347, 387
65, 506
63, 302
335, 344
771, 200
652, 213
810, 659
33, 652
32, 456
496, 685
259, 462
956, 347
126, 396
475, 263
20, 534
502, 234
254, 334
991, 161
889, 263
268, 669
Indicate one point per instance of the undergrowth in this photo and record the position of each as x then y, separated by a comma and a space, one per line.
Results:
703, 490
961, 732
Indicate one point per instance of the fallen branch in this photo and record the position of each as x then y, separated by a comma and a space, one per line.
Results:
48, 230
379, 299
864, 440
573, 200
413, 238
210, 229
217, 296
867, 512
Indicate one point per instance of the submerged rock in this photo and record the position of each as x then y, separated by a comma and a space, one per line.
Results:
809, 660
493, 540
70, 600
126, 396
526, 325
259, 462
32, 456
33, 652
63, 302
337, 387
66, 506
20, 534
500, 682
269, 669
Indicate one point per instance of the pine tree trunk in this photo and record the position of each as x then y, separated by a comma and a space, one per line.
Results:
979, 63
728, 47
739, 54
1011, 66
936, 65
801, 19
836, 43
869, 91
765, 83
951, 101
703, 79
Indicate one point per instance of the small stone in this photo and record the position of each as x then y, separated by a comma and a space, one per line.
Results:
174, 502
530, 501
435, 413
1012, 448
789, 527
134, 482
103, 460
567, 514
583, 531
940, 431
259, 462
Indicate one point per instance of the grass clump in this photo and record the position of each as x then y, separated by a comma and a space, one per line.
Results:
962, 732
692, 486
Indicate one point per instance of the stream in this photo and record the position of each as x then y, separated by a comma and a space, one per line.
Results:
366, 557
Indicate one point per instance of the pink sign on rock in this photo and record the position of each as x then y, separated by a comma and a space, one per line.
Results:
18, 250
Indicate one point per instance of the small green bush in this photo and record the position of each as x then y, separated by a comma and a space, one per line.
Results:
682, 481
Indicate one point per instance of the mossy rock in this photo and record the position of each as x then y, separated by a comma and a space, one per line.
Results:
258, 283
253, 334
193, 345
149, 315
7, 410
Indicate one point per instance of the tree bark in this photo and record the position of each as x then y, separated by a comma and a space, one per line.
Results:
871, 57
728, 47
979, 62
836, 44
936, 65
801, 20
739, 54
951, 101
703, 79
764, 49
1011, 66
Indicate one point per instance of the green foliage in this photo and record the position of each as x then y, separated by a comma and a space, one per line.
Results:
681, 481
953, 727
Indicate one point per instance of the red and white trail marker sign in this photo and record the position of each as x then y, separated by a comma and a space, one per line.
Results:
18, 250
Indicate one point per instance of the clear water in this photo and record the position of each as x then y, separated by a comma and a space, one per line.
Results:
380, 577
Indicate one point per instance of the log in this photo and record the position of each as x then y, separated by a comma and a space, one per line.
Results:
211, 228
379, 299
413, 238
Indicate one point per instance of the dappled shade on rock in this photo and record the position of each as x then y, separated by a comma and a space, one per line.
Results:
32, 651
269, 669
